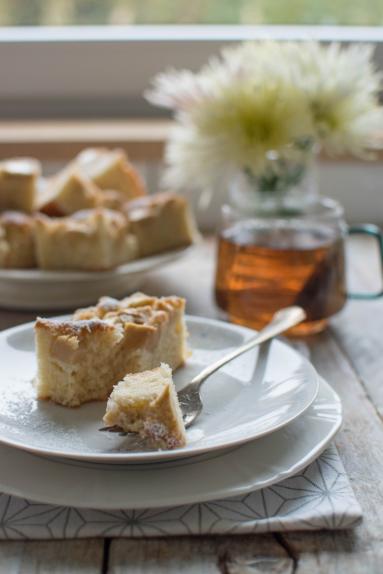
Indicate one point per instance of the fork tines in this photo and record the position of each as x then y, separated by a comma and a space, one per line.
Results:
115, 429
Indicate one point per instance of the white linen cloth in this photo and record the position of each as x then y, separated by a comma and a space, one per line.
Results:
320, 497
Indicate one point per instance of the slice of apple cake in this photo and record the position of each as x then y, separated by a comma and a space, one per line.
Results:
160, 222
89, 240
111, 169
80, 359
147, 403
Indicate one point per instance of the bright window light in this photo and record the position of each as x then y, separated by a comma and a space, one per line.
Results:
244, 12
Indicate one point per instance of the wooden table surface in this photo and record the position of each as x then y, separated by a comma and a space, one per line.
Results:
350, 356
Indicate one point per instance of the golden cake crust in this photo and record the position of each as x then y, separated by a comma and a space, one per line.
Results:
72, 328
138, 309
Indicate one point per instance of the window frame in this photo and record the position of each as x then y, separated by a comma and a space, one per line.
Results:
102, 71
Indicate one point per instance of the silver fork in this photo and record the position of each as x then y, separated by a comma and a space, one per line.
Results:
189, 397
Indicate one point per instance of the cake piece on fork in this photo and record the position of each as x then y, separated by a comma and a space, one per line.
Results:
146, 403
80, 359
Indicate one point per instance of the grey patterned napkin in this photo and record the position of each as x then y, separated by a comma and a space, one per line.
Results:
319, 497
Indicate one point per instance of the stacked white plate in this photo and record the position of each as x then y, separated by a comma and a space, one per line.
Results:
266, 416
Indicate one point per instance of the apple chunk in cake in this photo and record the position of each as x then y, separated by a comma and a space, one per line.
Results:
80, 359
147, 403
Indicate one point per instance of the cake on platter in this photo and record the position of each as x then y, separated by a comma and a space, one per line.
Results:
160, 222
110, 169
18, 184
94, 214
90, 240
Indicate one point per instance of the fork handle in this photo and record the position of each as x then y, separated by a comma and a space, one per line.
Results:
282, 320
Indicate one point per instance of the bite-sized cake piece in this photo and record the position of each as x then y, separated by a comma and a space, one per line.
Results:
160, 222
96, 239
67, 193
111, 169
147, 403
17, 242
81, 359
18, 184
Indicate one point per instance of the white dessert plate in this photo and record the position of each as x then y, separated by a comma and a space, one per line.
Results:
256, 394
255, 465
30, 289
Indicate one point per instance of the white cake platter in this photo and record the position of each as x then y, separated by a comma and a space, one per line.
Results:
38, 289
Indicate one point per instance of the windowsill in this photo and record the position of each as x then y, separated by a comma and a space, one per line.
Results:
142, 139
51, 140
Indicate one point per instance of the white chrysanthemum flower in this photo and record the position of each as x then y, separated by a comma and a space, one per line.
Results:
176, 89
342, 87
267, 96
235, 130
